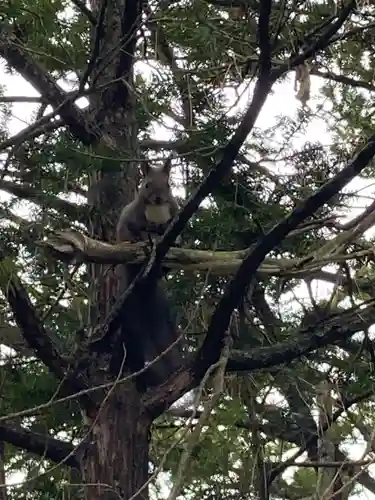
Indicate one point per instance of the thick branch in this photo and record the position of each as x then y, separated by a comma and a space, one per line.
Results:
35, 334
13, 51
38, 444
74, 247
16, 98
28, 321
212, 345
264, 38
160, 399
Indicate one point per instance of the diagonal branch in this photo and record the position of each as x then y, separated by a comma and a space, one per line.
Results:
161, 398
306, 342
346, 80
41, 126
28, 321
35, 335
230, 152
99, 34
82, 7
39, 444
14, 52
324, 40
236, 289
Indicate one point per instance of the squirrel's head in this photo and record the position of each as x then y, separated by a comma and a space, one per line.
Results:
155, 188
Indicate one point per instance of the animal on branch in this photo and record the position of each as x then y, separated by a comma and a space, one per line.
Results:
150, 328
153, 207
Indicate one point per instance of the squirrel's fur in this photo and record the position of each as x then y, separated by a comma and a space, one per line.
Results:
149, 325
152, 209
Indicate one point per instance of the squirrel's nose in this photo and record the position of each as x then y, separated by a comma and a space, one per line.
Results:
158, 200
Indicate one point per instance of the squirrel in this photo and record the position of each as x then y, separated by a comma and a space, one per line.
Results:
149, 317
153, 207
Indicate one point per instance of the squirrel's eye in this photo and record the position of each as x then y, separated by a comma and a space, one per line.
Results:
147, 185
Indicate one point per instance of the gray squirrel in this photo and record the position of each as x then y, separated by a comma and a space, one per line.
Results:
150, 329
153, 207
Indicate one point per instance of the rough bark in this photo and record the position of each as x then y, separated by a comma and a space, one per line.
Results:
115, 461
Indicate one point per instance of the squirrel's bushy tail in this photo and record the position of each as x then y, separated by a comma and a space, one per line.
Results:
149, 329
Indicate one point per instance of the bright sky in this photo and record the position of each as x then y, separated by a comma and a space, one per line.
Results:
281, 102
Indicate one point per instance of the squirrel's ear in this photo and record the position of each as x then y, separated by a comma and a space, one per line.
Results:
167, 166
145, 167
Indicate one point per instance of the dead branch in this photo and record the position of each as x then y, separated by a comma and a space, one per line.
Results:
74, 247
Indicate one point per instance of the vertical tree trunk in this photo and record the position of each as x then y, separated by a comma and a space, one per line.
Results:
115, 460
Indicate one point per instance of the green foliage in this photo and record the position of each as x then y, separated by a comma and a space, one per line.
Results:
279, 167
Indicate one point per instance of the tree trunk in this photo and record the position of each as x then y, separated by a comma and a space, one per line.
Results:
115, 461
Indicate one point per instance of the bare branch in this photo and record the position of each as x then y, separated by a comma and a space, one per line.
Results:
346, 80
39, 444
99, 34
72, 246
9, 98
